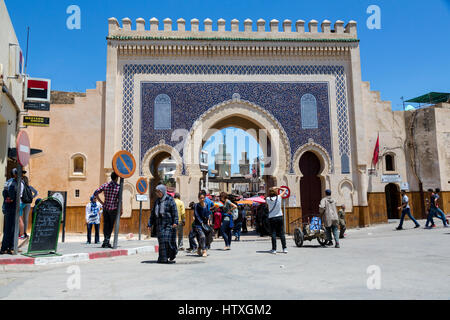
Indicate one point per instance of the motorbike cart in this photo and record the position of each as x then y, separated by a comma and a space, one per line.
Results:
308, 231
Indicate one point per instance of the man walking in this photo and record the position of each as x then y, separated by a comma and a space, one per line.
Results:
327, 208
406, 210
342, 225
434, 211
181, 220
110, 206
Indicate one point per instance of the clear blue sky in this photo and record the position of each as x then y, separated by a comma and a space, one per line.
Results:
408, 57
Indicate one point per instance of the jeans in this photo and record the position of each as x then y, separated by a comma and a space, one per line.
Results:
407, 211
97, 232
109, 218
8, 231
226, 232
333, 229
197, 232
237, 230
277, 230
438, 213
180, 235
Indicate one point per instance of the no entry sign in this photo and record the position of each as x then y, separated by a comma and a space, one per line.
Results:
142, 186
288, 192
23, 148
124, 164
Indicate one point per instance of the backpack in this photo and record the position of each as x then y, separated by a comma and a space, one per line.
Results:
235, 213
27, 195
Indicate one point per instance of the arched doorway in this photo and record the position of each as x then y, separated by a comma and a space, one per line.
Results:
161, 168
392, 193
310, 185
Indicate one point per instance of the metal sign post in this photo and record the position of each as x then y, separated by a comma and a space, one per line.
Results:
16, 221
286, 196
119, 210
140, 219
23, 157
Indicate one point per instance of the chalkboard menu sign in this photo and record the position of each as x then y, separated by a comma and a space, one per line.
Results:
46, 225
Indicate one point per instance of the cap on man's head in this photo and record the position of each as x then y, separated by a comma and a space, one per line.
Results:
328, 192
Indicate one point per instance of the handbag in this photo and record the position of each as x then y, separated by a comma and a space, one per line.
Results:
266, 208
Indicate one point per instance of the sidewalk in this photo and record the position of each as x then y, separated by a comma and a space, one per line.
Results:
75, 249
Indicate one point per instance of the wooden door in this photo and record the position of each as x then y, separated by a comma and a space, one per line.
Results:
310, 185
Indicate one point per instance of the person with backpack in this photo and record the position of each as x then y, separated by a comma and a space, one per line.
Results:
28, 194
227, 219
330, 218
273, 206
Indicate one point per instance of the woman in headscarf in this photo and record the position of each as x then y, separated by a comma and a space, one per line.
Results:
165, 217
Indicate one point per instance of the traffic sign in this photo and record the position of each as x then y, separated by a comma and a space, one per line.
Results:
23, 148
124, 164
288, 192
142, 186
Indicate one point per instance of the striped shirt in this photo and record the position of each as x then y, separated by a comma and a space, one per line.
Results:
111, 191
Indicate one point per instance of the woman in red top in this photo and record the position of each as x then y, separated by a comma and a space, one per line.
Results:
217, 221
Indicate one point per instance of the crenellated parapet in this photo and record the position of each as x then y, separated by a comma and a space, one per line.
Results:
256, 39
287, 30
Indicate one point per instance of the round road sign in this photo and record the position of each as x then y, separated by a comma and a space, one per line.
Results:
142, 186
288, 192
23, 148
124, 164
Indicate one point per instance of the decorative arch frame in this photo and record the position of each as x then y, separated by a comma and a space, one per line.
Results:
72, 174
319, 151
151, 153
244, 109
394, 162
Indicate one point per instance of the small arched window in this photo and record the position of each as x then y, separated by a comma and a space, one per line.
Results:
78, 166
309, 112
162, 113
389, 162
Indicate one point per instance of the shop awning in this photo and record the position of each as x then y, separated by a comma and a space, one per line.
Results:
432, 97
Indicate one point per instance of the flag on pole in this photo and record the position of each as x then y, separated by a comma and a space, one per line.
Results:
376, 152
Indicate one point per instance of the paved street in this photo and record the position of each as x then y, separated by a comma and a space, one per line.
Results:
414, 264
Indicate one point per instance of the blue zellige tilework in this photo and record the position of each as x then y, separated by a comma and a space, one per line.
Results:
191, 100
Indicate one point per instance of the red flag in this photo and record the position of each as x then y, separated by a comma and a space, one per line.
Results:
376, 151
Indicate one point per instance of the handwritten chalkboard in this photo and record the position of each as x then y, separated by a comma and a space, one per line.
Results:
46, 225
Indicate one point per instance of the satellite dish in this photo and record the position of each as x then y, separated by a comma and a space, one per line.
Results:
409, 108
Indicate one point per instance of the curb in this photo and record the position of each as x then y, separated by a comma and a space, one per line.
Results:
78, 257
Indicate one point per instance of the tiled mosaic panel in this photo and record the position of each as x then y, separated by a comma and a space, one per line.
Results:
191, 100
132, 69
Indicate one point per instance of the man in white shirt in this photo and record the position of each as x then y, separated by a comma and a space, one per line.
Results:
406, 210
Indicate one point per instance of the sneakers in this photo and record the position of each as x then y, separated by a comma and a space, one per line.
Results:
273, 251
285, 250
181, 249
399, 228
329, 243
189, 250
417, 226
337, 245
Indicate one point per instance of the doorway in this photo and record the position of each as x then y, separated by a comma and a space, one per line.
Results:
310, 185
392, 193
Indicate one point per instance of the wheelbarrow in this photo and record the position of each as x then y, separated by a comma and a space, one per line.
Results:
309, 231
